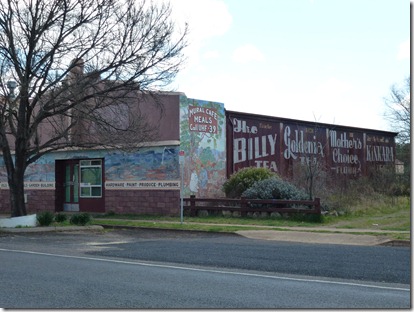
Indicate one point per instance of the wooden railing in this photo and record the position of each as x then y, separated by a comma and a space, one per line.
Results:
244, 205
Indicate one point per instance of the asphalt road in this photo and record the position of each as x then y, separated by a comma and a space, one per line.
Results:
168, 269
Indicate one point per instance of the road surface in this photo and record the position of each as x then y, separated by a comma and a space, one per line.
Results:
164, 269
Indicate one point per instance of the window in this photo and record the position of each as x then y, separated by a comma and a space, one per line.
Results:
91, 178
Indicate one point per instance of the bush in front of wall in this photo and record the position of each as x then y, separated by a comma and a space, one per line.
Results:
80, 218
45, 218
244, 179
60, 217
275, 188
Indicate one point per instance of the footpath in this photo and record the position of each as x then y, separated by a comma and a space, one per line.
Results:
315, 235
326, 236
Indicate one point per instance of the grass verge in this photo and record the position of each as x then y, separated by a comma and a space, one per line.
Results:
382, 214
379, 213
174, 225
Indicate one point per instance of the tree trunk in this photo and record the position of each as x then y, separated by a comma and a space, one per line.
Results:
16, 186
16, 180
20, 159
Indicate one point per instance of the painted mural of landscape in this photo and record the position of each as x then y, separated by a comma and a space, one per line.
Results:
202, 136
158, 163
151, 163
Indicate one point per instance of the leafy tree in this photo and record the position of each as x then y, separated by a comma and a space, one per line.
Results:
69, 67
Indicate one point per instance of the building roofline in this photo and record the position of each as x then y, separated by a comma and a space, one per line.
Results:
327, 125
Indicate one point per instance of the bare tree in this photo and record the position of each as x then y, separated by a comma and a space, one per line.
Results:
311, 172
399, 115
399, 110
73, 73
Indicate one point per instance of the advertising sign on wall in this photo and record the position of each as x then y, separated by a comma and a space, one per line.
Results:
347, 153
255, 143
282, 144
203, 119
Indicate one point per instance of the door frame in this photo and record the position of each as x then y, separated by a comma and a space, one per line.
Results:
85, 204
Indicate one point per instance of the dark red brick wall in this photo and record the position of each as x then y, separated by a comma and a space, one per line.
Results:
37, 201
40, 200
152, 202
4, 202
160, 202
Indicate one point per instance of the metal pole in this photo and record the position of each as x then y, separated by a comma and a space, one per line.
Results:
182, 193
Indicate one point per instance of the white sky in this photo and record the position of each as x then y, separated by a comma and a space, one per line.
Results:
329, 61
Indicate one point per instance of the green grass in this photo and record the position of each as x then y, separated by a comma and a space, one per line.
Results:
373, 213
244, 221
174, 225
58, 224
381, 213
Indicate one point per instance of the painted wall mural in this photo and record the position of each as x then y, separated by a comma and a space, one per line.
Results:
147, 164
203, 140
158, 163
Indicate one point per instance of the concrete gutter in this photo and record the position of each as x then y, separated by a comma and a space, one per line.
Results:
41, 229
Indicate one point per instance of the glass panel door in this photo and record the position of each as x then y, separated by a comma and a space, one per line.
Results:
75, 183
71, 186
68, 186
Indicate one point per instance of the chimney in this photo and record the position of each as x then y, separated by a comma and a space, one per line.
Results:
76, 69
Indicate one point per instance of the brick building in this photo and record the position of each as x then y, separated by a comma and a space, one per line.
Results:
214, 144
144, 180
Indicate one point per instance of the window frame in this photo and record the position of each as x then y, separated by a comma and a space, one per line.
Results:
90, 164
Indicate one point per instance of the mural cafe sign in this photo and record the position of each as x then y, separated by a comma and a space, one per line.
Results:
203, 119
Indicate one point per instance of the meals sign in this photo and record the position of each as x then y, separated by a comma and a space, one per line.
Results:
203, 119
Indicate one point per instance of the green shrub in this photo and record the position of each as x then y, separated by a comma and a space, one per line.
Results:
275, 188
45, 218
80, 219
244, 179
60, 217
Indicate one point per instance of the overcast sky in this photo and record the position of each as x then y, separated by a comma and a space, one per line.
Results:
329, 61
